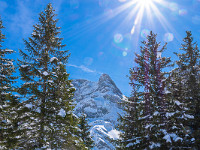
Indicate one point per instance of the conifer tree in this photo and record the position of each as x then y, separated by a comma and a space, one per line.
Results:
85, 133
178, 135
187, 77
144, 125
47, 90
130, 125
9, 103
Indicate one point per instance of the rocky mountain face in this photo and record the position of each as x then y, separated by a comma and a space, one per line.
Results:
100, 102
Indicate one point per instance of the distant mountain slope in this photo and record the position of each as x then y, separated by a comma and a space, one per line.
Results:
99, 100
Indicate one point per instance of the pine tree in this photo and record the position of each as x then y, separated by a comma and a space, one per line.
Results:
186, 76
47, 90
130, 125
9, 103
178, 135
85, 133
145, 118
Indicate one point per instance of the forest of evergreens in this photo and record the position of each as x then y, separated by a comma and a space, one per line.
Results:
163, 111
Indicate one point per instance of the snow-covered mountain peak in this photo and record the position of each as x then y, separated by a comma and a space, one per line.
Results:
106, 84
105, 78
100, 102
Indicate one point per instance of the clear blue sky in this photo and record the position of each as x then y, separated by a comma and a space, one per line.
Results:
102, 35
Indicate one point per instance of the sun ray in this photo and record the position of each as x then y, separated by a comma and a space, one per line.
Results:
166, 25
97, 21
161, 18
130, 15
138, 20
138, 10
144, 6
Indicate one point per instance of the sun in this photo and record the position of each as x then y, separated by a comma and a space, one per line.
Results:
143, 14
145, 3
140, 7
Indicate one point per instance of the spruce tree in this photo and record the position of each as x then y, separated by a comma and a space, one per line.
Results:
178, 136
145, 124
47, 90
187, 73
130, 125
85, 133
9, 103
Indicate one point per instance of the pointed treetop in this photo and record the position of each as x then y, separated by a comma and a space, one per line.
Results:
1, 34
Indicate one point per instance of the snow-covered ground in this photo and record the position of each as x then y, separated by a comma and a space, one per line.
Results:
100, 102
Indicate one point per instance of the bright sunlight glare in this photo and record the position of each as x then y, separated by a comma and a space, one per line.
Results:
145, 3
142, 6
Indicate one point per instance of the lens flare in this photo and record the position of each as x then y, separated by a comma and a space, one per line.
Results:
144, 33
183, 12
173, 6
122, 43
118, 38
168, 37
124, 53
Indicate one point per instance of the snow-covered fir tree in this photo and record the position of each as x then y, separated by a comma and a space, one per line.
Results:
145, 124
47, 90
9, 103
130, 125
84, 132
186, 91
179, 136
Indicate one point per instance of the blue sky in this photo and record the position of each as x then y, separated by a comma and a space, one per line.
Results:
102, 35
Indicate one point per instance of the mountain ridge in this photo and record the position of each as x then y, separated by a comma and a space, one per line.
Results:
100, 102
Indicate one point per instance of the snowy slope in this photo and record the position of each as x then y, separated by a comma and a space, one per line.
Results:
99, 101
